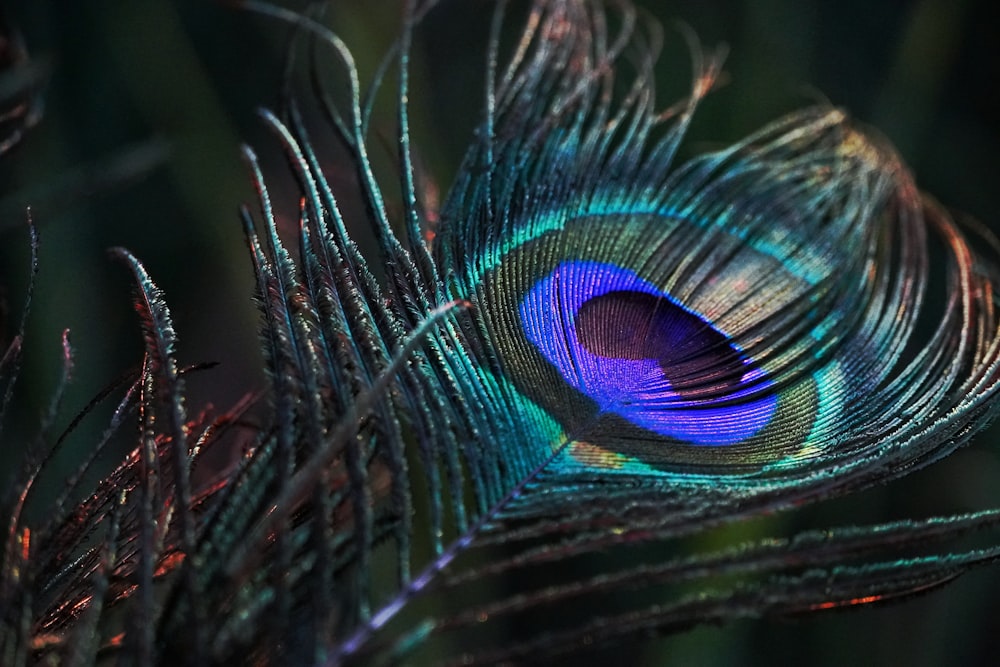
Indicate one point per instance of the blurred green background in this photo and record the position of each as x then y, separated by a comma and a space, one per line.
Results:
147, 102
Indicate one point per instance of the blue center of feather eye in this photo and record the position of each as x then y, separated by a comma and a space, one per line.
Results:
638, 353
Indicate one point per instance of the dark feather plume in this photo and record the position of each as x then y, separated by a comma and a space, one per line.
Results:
511, 442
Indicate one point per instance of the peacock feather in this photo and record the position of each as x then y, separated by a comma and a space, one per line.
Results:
528, 423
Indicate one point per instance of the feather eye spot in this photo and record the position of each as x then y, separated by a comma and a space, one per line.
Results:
637, 352
695, 358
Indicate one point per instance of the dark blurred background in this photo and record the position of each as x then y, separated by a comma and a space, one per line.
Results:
147, 102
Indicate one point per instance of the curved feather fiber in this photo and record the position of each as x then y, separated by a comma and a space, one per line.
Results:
508, 443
